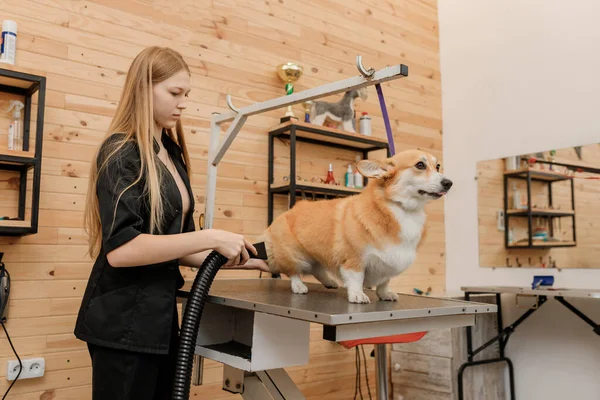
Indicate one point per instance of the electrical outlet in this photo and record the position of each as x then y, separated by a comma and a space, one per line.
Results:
32, 368
500, 220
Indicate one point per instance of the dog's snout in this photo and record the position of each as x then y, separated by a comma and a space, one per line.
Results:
446, 183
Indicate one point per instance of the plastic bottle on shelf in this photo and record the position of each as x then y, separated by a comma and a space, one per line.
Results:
8, 47
349, 177
15, 129
358, 178
516, 197
365, 124
330, 178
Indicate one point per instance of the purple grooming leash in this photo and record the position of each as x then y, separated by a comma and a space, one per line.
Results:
386, 119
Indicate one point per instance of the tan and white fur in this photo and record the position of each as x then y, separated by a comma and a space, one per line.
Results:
363, 240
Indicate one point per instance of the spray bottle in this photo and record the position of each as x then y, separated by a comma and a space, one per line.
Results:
15, 129
330, 178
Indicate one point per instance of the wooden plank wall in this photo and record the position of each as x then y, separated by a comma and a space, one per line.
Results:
84, 48
587, 215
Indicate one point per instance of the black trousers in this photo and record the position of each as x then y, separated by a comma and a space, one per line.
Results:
125, 375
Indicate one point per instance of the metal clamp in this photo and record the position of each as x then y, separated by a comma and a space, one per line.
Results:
230, 104
364, 72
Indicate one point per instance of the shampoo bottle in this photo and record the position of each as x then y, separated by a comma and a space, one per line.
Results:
15, 129
349, 177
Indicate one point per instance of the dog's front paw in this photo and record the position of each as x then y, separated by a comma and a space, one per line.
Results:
388, 296
358, 297
299, 287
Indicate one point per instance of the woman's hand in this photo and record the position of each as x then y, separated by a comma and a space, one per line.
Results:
253, 263
232, 246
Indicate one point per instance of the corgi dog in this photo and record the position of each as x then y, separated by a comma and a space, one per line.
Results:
363, 240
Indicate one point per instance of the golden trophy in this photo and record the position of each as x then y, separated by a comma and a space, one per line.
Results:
289, 73
307, 105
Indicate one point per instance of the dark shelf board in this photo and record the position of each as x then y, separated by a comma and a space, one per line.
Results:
543, 176
18, 80
15, 228
307, 132
543, 245
318, 188
536, 213
16, 162
572, 167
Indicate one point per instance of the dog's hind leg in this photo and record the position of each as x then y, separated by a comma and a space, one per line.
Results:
285, 256
384, 293
295, 267
319, 272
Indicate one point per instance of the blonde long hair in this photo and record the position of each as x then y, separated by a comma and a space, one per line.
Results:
135, 119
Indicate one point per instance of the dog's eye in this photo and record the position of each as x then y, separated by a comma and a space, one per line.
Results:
420, 165
437, 167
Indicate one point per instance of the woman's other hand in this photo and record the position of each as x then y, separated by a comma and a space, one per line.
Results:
253, 263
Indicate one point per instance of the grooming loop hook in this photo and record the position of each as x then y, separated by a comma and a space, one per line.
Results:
230, 104
364, 72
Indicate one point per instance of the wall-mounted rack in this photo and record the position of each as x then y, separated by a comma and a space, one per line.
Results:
20, 83
548, 177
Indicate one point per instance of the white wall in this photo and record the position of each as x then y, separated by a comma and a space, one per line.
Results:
521, 76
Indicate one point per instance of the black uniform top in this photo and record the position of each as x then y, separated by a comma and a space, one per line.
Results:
132, 308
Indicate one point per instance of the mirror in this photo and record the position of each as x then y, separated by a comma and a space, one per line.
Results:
540, 210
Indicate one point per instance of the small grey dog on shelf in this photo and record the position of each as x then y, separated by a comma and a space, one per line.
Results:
341, 111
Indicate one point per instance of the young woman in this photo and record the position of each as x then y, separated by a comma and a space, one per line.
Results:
139, 220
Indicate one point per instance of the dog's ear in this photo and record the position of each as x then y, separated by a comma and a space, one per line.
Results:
374, 169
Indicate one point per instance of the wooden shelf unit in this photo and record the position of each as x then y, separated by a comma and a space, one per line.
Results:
320, 135
548, 177
24, 83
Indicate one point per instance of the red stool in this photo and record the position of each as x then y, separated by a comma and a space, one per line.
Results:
381, 372
402, 338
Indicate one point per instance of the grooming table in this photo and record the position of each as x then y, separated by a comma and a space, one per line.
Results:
258, 327
541, 295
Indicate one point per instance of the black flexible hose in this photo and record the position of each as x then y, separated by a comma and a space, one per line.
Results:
191, 322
